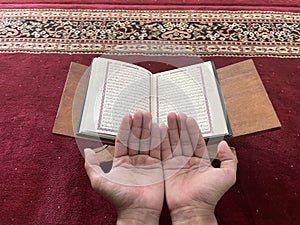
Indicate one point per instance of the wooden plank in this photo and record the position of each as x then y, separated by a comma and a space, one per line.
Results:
247, 103
72, 99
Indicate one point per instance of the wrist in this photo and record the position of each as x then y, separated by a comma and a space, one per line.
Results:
138, 216
198, 216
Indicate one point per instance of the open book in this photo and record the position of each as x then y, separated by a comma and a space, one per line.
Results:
116, 88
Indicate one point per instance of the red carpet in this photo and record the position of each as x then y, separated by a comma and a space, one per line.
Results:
167, 3
42, 175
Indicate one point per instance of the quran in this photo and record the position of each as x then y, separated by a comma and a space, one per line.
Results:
116, 88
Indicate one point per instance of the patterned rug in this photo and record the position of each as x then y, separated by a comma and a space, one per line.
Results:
151, 32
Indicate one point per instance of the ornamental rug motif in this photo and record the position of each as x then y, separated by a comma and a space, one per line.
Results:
161, 32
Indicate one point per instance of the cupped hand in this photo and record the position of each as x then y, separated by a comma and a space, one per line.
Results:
135, 183
193, 187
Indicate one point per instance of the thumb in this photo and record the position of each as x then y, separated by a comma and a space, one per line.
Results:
227, 157
92, 167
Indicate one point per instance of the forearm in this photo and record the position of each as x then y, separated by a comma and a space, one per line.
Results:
138, 217
193, 217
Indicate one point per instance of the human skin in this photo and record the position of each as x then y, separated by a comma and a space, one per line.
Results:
171, 161
135, 183
192, 192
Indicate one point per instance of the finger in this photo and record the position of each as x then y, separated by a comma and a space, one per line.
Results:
166, 151
227, 157
155, 145
92, 168
123, 136
135, 134
186, 144
228, 162
173, 132
198, 143
145, 136
234, 153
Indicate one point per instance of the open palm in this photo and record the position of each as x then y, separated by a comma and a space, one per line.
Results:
191, 182
135, 181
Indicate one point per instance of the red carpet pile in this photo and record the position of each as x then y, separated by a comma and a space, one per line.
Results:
42, 177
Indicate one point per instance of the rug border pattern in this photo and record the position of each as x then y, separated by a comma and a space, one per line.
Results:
150, 47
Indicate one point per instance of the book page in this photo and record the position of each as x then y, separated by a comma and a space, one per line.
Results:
192, 90
115, 89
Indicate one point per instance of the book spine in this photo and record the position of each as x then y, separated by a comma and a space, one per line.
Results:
154, 99
221, 96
